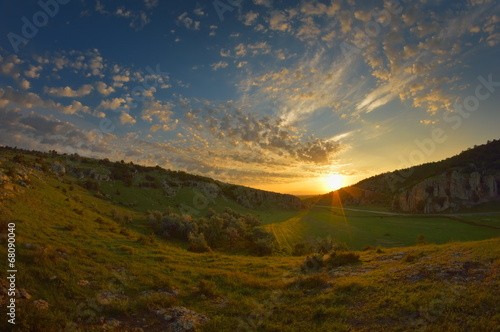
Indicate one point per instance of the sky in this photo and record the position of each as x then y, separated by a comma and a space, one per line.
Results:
296, 97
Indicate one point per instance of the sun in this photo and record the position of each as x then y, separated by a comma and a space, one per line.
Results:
334, 182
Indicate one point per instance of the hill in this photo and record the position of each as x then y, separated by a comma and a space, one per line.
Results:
464, 181
88, 257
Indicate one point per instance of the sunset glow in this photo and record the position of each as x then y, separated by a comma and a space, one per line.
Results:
266, 94
334, 182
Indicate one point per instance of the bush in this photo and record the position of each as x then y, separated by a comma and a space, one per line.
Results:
336, 259
197, 243
301, 249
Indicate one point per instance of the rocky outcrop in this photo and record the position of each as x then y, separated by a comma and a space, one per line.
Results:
449, 191
180, 319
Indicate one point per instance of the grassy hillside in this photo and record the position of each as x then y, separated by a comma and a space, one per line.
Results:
88, 263
93, 272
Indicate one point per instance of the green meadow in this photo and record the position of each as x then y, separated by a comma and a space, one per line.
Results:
359, 229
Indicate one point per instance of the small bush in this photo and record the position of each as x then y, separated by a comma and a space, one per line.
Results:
336, 259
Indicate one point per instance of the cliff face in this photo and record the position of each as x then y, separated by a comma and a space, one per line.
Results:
449, 191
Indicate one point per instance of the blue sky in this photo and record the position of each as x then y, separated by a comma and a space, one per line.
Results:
295, 96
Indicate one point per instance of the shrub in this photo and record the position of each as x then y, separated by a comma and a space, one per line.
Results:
301, 249
336, 259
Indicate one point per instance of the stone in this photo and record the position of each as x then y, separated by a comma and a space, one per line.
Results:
41, 304
23, 294
180, 319
83, 283
105, 298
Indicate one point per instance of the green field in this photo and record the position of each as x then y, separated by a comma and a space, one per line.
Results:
360, 229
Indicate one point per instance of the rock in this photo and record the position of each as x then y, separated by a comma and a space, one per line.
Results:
180, 319
448, 192
41, 304
59, 169
83, 283
23, 294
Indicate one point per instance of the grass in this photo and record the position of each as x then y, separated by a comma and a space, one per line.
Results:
359, 229
62, 241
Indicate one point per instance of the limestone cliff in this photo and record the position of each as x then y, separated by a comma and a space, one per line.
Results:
449, 191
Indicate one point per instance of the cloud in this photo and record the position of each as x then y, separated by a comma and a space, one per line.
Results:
269, 136
125, 118
188, 22
84, 90
34, 131
24, 84
265, 3
156, 110
151, 3
103, 89
33, 72
10, 66
137, 19
112, 104
121, 78
219, 65
279, 21
250, 17
74, 108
